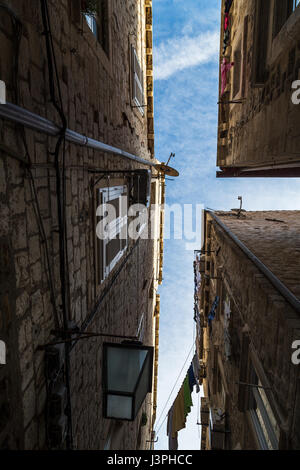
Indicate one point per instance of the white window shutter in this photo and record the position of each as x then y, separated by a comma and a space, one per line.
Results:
114, 247
137, 81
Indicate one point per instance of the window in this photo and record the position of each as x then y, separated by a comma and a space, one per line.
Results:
97, 20
262, 22
237, 71
244, 59
92, 23
227, 315
283, 9
265, 424
111, 249
216, 429
137, 81
295, 4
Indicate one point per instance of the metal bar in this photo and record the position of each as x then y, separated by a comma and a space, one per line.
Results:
34, 121
115, 172
292, 172
231, 102
279, 286
253, 385
99, 301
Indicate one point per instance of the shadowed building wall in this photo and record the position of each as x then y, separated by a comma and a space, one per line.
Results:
104, 70
251, 385
258, 131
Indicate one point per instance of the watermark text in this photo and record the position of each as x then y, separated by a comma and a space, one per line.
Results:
296, 353
2, 92
2, 353
181, 222
296, 93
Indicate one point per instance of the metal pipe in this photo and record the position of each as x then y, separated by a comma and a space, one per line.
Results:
34, 121
279, 286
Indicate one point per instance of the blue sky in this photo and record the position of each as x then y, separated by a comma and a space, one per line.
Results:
186, 49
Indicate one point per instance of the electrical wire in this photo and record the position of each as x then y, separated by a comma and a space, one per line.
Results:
61, 190
198, 414
179, 375
27, 162
138, 262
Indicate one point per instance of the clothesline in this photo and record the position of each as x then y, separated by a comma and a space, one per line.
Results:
179, 375
183, 402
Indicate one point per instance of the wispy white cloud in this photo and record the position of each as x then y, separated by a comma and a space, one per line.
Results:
177, 54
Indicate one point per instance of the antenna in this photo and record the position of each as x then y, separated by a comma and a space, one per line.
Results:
172, 155
240, 198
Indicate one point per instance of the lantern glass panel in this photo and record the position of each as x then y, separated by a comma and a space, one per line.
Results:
124, 367
143, 387
119, 407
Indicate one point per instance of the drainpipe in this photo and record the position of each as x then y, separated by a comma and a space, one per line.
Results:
37, 123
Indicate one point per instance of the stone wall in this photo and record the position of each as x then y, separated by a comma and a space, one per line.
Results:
258, 313
262, 128
274, 237
96, 96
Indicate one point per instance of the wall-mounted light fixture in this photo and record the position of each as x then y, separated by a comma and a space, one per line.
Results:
127, 378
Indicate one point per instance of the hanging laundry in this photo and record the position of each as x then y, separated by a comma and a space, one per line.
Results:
178, 422
180, 409
187, 397
196, 311
226, 40
226, 21
192, 380
196, 369
225, 67
173, 441
195, 314
228, 4
212, 312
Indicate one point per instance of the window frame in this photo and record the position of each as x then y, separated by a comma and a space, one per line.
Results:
237, 70
137, 80
227, 318
93, 21
264, 420
104, 195
259, 73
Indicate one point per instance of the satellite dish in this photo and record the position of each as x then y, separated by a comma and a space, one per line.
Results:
167, 170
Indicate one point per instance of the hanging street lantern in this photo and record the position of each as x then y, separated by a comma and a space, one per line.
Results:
127, 378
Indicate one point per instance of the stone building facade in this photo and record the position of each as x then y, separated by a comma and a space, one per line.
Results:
56, 277
259, 112
248, 319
